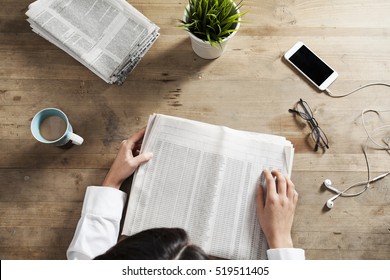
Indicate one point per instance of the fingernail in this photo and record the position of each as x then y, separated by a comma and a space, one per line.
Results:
148, 155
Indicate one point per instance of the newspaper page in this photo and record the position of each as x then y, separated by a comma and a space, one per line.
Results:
107, 36
203, 178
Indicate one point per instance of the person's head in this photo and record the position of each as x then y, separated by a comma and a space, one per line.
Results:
155, 244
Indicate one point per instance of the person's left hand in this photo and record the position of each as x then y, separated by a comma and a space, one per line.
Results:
126, 162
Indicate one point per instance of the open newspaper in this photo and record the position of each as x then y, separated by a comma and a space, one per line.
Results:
203, 178
109, 37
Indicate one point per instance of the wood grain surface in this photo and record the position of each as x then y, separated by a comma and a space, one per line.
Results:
249, 87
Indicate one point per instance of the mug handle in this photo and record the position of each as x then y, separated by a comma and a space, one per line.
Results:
77, 140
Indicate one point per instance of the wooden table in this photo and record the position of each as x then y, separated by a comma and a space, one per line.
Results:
250, 88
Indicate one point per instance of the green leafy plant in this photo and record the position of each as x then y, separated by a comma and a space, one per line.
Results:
212, 20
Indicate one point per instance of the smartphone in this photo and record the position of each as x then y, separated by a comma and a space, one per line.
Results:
311, 66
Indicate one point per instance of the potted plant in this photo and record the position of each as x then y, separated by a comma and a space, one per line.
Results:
210, 24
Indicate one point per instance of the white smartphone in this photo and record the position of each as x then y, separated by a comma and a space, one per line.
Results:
311, 66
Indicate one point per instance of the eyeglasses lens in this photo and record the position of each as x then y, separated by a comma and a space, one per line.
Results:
319, 137
304, 110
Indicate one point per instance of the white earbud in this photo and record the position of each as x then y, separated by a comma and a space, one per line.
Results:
328, 184
330, 202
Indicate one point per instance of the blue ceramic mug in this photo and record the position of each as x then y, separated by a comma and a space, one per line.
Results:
51, 126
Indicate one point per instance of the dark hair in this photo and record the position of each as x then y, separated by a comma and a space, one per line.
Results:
155, 244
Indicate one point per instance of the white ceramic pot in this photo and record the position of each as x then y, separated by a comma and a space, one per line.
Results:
204, 49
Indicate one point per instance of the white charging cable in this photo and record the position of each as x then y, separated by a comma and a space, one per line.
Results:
355, 90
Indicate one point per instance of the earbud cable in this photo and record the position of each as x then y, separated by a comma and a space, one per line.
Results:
379, 146
365, 183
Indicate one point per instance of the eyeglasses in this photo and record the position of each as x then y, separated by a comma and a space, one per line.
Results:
304, 111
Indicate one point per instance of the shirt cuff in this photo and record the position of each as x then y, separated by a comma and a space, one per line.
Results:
99, 199
286, 254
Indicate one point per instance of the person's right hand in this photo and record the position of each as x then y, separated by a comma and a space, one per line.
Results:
276, 210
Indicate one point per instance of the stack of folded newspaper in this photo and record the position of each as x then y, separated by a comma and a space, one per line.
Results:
109, 37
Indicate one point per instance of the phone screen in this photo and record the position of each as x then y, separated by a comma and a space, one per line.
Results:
312, 66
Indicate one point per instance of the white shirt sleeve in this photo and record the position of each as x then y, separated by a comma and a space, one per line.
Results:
98, 227
286, 254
